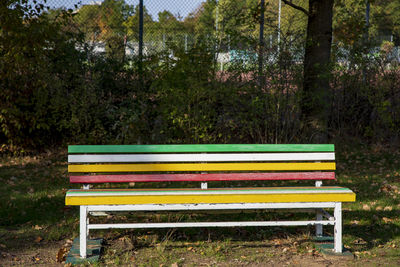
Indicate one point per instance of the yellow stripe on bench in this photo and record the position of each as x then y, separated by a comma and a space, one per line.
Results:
203, 167
259, 195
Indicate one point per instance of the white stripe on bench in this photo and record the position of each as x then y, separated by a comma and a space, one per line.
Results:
94, 193
212, 157
207, 224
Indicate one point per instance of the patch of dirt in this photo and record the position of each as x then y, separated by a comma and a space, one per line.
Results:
41, 253
125, 251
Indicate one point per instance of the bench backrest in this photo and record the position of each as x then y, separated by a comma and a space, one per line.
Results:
165, 163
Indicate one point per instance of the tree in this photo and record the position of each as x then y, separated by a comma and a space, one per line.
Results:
39, 66
168, 22
105, 23
113, 15
349, 21
238, 20
386, 18
202, 20
132, 24
88, 21
315, 94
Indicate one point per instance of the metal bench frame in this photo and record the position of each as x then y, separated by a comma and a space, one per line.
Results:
322, 217
335, 220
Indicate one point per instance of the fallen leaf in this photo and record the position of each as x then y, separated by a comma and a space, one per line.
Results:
360, 241
61, 255
68, 243
175, 264
387, 220
366, 207
388, 208
37, 227
38, 239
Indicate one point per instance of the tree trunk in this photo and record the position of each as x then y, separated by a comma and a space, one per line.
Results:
315, 97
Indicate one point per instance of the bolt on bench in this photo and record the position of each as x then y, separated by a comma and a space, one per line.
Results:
89, 164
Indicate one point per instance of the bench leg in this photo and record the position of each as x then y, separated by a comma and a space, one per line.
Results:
83, 231
338, 228
318, 227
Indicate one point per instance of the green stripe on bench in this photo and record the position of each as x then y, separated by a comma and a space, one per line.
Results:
200, 148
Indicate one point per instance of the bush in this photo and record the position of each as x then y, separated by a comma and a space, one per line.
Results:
56, 90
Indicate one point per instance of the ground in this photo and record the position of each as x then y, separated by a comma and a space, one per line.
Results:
37, 229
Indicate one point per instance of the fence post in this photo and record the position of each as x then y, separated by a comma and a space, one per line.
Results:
366, 40
141, 41
186, 43
261, 46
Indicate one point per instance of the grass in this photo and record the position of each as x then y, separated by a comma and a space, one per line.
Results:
35, 225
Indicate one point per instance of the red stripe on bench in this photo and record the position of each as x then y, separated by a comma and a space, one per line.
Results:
202, 177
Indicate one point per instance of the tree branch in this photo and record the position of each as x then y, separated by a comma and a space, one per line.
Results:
289, 2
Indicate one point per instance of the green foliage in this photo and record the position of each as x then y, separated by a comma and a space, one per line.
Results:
56, 90
202, 21
367, 89
88, 21
350, 23
132, 24
34, 54
106, 22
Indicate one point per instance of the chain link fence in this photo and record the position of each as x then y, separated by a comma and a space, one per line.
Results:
142, 71
121, 28
246, 32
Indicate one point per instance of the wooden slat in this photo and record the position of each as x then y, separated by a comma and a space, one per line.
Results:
127, 200
261, 195
200, 148
222, 157
202, 177
203, 167
211, 191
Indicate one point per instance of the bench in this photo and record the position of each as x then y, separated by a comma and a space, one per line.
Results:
92, 164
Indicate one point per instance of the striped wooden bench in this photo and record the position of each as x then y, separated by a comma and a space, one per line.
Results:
204, 163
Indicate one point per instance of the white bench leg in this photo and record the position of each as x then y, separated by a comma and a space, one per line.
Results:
338, 228
83, 231
318, 227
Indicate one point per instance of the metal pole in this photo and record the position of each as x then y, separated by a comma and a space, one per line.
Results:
367, 9
186, 42
366, 38
279, 24
367, 15
140, 37
216, 17
261, 46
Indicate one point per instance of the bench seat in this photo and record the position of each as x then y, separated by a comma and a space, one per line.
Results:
158, 165
215, 195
